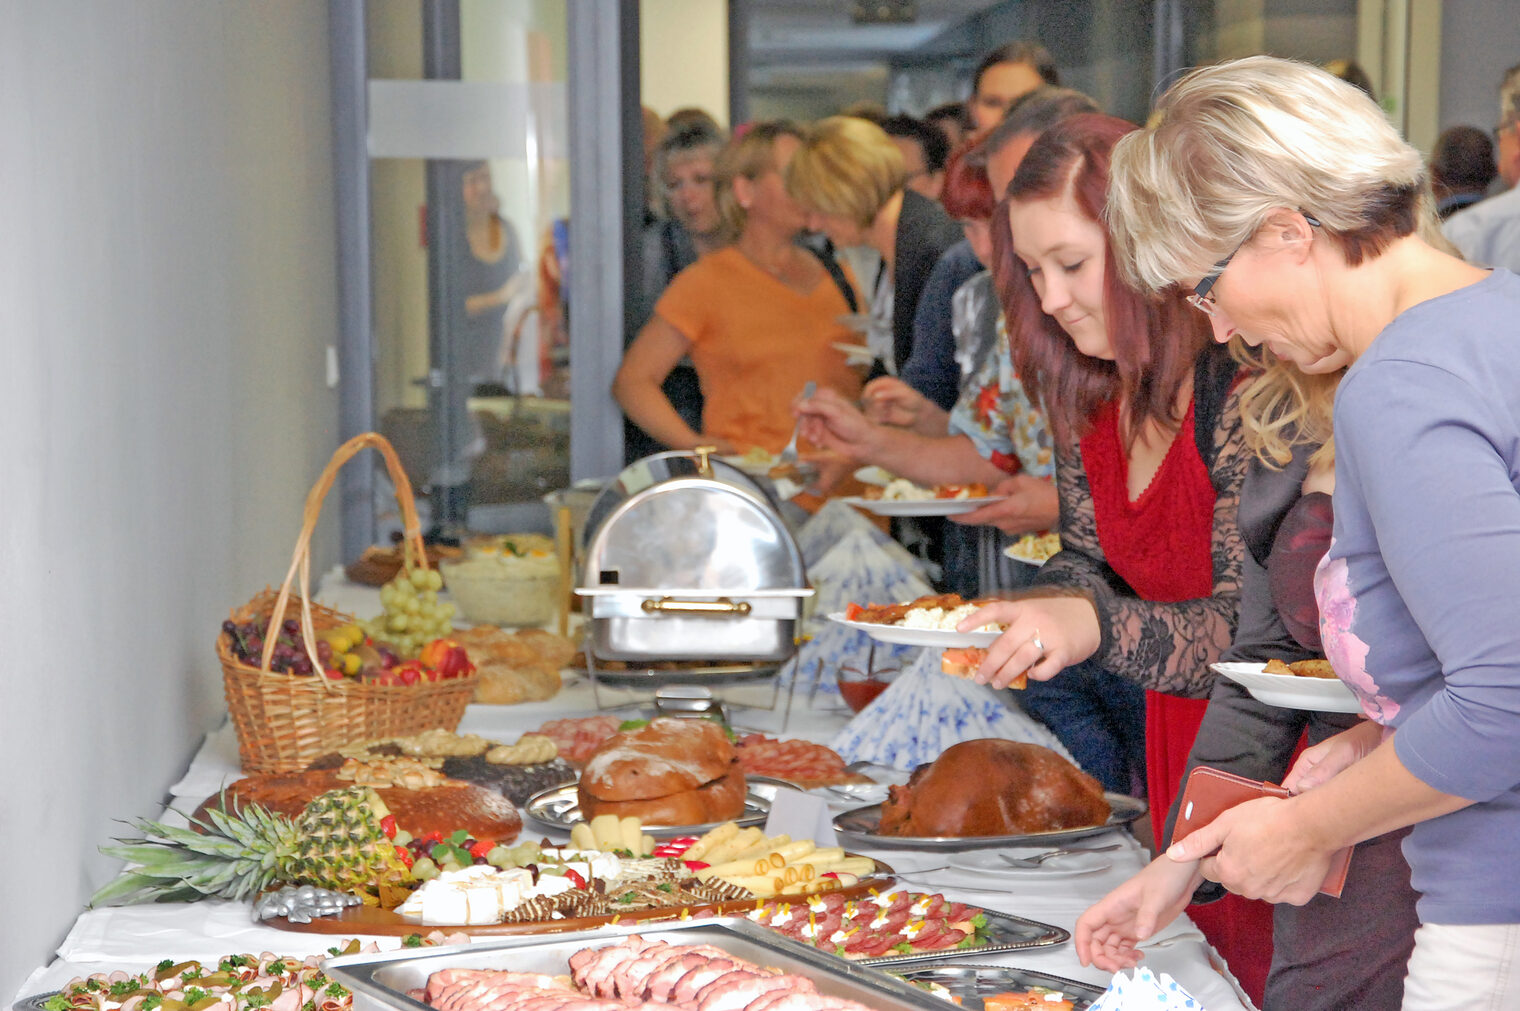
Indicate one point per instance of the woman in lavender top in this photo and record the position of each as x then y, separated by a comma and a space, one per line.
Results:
1288, 204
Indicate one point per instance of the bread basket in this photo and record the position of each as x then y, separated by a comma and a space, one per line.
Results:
285, 721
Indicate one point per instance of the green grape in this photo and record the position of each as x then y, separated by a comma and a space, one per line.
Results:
418, 577
424, 869
412, 606
398, 622
435, 580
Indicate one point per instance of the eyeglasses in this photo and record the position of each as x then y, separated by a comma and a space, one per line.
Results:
1199, 298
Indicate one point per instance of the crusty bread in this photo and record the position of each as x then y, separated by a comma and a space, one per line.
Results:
720, 800
994, 787
507, 684
484, 814
663, 757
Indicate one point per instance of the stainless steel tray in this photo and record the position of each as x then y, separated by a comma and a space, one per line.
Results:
859, 828
1005, 932
36, 1002
559, 807
715, 674
381, 981
971, 983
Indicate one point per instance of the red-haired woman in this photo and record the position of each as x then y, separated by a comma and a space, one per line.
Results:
1117, 633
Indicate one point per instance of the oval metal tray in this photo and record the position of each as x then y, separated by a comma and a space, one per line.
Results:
859, 827
712, 674
559, 807
971, 983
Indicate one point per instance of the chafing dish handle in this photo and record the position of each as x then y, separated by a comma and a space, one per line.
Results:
670, 605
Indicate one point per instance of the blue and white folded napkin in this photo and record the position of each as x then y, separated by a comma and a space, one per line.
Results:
924, 712
857, 568
1145, 990
830, 525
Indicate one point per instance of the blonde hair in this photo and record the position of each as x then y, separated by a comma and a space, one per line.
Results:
1238, 140
1284, 407
846, 166
750, 156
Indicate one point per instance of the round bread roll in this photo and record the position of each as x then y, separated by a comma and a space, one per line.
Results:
665, 756
484, 814
994, 787
720, 800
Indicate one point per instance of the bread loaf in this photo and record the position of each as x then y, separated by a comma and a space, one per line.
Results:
667, 772
994, 787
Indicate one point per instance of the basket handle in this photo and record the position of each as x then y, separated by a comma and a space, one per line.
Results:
300, 563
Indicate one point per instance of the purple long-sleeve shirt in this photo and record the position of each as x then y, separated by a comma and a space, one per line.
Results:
1420, 591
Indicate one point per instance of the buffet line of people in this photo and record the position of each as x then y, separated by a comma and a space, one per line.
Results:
1270, 410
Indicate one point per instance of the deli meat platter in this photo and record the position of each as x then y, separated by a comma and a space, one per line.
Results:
659, 965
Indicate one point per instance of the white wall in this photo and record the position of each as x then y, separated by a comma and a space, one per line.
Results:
1480, 40
683, 49
166, 292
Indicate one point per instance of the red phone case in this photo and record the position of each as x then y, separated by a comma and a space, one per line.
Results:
1211, 791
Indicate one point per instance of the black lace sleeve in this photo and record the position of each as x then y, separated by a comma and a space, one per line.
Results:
1164, 647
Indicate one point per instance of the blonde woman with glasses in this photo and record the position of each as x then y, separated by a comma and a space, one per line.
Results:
1284, 199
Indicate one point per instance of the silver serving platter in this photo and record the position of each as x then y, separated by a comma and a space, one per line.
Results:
36, 1002
1005, 932
559, 807
859, 828
971, 983
381, 981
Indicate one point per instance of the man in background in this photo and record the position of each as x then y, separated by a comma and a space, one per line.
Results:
924, 150
1488, 232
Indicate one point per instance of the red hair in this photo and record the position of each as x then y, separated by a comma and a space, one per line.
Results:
967, 195
1155, 342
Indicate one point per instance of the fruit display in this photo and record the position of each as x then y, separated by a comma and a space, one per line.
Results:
345, 652
338, 841
412, 615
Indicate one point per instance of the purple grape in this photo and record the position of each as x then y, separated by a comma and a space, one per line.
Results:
291, 625
301, 666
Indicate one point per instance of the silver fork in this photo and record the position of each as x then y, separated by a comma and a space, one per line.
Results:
1040, 858
789, 454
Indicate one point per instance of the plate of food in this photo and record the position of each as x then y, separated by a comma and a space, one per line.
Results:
1304, 684
894, 927
1034, 549
1001, 987
755, 461
927, 621
901, 497
960, 801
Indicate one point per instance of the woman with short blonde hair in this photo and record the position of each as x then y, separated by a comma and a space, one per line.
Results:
850, 179
1290, 207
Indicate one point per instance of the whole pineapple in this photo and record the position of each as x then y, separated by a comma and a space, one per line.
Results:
335, 842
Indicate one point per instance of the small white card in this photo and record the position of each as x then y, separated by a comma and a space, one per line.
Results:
801, 816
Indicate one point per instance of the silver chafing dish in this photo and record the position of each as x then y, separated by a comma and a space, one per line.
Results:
688, 559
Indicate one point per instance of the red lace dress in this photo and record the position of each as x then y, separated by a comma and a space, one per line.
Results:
1161, 545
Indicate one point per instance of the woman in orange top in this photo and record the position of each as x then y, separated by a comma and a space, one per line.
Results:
759, 318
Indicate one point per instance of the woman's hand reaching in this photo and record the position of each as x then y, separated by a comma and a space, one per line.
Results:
1044, 636
1109, 932
887, 400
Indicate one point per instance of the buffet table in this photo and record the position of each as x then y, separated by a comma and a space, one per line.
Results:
132, 937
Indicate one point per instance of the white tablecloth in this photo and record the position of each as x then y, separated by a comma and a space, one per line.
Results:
133, 937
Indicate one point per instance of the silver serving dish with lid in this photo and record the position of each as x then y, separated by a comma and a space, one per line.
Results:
689, 559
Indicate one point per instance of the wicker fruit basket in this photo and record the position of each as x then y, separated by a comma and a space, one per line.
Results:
285, 721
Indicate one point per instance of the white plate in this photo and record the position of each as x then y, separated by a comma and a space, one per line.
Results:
1289, 691
991, 862
1008, 552
944, 638
855, 354
920, 507
873, 475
